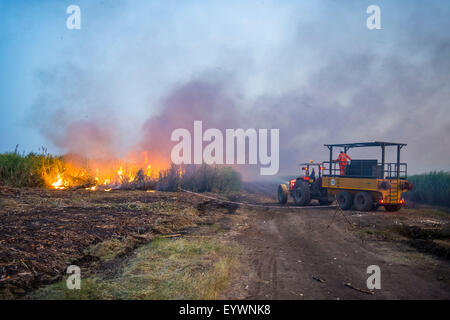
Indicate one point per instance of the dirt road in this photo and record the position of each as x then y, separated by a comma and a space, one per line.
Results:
293, 255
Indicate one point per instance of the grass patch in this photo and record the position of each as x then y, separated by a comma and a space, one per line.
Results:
383, 235
110, 249
132, 206
164, 207
196, 268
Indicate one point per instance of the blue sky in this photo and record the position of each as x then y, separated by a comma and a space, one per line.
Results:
316, 58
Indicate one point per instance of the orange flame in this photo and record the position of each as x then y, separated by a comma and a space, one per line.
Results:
59, 183
106, 175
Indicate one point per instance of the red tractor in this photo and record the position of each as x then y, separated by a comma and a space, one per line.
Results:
306, 187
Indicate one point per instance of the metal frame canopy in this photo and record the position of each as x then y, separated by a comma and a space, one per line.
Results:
366, 144
381, 144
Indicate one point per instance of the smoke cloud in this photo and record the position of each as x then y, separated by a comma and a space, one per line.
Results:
318, 83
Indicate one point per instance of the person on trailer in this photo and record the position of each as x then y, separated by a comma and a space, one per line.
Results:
343, 162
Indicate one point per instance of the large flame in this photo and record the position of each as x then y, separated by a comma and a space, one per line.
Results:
104, 174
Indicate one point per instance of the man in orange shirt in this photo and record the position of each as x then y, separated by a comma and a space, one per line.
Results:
343, 161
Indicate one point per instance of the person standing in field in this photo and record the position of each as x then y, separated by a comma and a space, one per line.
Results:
343, 162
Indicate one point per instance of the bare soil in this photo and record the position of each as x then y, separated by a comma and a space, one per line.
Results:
305, 254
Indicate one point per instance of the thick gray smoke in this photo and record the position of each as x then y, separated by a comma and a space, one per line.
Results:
203, 99
317, 82
360, 97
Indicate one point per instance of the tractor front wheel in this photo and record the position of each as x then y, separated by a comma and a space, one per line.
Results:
392, 207
301, 193
283, 193
345, 200
363, 201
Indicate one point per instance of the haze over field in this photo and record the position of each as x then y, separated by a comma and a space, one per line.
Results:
136, 71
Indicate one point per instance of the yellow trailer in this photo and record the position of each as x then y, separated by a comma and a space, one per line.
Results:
367, 184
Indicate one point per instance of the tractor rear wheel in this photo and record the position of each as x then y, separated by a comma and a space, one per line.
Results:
345, 200
283, 193
392, 207
363, 201
301, 193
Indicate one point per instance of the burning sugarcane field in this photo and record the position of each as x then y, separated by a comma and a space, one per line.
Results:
230, 158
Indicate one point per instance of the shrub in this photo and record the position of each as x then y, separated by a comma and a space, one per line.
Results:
430, 188
200, 178
20, 170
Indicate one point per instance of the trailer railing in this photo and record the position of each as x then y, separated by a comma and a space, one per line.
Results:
376, 170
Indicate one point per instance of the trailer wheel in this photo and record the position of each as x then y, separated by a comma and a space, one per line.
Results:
392, 207
283, 193
363, 201
301, 193
345, 200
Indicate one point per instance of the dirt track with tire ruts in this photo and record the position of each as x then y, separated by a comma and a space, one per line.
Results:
313, 254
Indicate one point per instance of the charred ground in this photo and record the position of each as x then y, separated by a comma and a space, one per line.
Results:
44, 231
